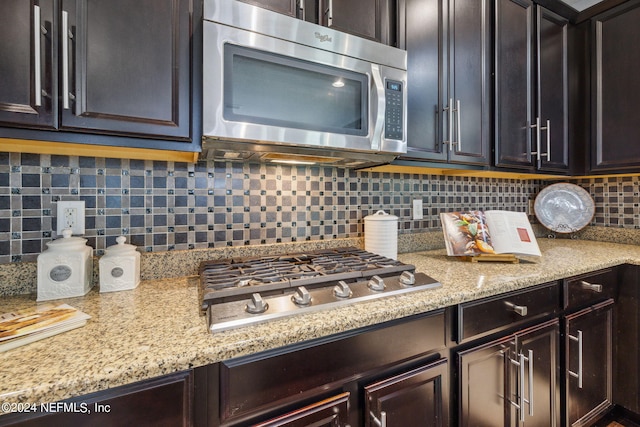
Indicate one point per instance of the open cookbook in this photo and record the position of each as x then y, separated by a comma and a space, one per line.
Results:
475, 233
26, 326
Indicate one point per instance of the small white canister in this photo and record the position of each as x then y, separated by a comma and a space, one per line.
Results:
120, 267
381, 234
65, 269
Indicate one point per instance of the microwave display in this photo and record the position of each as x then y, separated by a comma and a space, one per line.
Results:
276, 90
394, 111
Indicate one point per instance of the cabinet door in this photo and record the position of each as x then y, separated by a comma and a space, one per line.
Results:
448, 47
588, 340
514, 83
332, 412
422, 38
159, 402
415, 398
615, 86
27, 63
484, 373
553, 92
286, 7
358, 17
539, 350
469, 77
128, 67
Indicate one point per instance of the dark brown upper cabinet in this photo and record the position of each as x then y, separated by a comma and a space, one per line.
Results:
89, 67
448, 45
127, 66
28, 63
614, 88
371, 19
532, 88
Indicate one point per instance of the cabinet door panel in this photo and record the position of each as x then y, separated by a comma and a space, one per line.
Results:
423, 39
18, 105
595, 327
418, 397
543, 344
553, 98
332, 412
358, 17
484, 373
614, 87
129, 68
160, 402
514, 93
469, 70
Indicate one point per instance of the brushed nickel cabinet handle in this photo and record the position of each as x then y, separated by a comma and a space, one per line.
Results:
382, 421
591, 286
578, 375
65, 60
548, 130
518, 309
529, 360
37, 60
449, 109
459, 141
329, 13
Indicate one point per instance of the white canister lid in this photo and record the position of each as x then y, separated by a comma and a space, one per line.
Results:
381, 216
67, 241
120, 248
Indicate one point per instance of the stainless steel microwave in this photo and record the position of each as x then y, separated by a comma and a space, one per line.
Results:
279, 88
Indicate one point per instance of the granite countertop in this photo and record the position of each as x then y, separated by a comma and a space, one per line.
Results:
158, 329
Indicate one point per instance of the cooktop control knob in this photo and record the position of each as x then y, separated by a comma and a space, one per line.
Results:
256, 305
407, 278
302, 296
342, 290
376, 283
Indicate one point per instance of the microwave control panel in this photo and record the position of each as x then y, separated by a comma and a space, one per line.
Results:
394, 110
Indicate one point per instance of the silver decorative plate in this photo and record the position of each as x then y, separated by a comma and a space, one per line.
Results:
564, 207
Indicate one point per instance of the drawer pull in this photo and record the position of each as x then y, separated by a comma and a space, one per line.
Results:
590, 286
382, 422
518, 309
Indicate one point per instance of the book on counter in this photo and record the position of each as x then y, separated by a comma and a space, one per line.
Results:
22, 327
474, 233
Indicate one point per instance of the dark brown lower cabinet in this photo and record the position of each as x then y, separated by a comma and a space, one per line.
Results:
160, 402
398, 367
589, 353
415, 398
512, 381
331, 412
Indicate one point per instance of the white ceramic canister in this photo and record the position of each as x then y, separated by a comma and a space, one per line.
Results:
119, 267
65, 269
381, 234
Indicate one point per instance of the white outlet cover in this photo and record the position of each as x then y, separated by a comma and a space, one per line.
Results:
417, 209
78, 226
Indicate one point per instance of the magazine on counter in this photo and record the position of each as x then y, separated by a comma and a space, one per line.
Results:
26, 326
475, 233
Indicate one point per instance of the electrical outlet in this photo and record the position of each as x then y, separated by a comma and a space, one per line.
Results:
417, 209
71, 216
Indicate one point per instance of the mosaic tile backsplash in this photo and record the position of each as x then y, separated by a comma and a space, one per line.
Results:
164, 206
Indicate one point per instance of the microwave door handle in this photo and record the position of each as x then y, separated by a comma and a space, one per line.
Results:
378, 102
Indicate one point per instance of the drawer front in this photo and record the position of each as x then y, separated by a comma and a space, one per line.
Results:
260, 382
482, 317
591, 288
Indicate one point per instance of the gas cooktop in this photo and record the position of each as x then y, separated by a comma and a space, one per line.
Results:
243, 291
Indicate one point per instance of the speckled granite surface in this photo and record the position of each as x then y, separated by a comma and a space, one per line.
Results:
157, 328
21, 278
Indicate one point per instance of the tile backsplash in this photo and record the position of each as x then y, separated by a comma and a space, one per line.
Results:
164, 206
